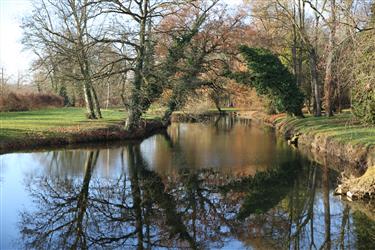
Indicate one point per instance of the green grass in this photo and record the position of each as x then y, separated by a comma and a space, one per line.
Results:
341, 127
46, 122
224, 109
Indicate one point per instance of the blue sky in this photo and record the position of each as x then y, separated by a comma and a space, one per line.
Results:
12, 57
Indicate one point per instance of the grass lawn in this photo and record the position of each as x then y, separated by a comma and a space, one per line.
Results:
224, 109
342, 127
45, 122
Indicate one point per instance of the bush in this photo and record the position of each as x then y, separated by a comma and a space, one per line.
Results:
23, 102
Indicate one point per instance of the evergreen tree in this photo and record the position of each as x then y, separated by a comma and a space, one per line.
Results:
64, 94
270, 77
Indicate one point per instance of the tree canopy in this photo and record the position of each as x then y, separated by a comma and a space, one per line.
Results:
316, 54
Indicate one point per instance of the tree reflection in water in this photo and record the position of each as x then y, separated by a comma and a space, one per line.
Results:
62, 208
285, 207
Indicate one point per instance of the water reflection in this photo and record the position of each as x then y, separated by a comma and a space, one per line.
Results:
224, 145
146, 195
62, 214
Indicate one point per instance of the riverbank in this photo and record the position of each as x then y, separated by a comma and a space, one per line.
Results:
339, 136
60, 127
339, 142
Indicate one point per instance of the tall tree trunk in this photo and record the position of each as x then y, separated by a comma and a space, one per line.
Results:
108, 91
301, 10
294, 59
88, 101
299, 65
314, 82
313, 58
339, 97
94, 97
328, 81
81, 18
124, 79
135, 111
96, 103
294, 46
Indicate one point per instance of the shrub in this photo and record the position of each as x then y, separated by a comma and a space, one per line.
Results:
22, 102
13, 102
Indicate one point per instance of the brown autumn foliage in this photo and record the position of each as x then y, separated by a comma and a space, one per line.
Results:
234, 96
12, 101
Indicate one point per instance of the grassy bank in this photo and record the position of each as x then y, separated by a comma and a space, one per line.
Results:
341, 127
61, 126
47, 122
340, 138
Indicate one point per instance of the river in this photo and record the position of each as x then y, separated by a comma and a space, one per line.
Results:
219, 184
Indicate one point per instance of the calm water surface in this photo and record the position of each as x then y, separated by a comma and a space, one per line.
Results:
223, 184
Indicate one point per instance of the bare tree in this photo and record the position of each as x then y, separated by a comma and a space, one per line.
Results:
63, 29
130, 25
290, 19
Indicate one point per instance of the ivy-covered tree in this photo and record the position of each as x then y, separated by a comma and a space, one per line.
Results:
271, 78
